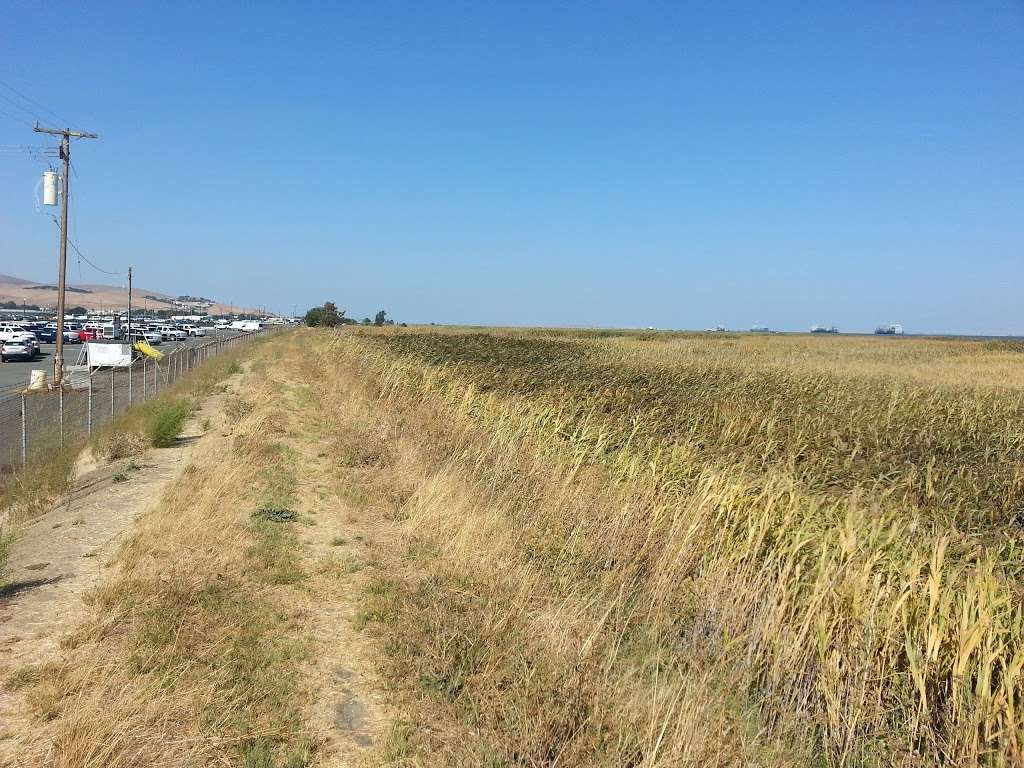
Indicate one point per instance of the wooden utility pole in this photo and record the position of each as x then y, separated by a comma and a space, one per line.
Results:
66, 135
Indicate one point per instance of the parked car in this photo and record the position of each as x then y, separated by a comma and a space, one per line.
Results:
170, 333
73, 332
194, 330
17, 333
70, 334
150, 337
9, 332
22, 349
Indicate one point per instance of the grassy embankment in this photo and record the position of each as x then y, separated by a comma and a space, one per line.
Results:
643, 550
192, 652
29, 492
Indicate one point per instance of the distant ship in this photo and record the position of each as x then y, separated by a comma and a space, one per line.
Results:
824, 329
892, 329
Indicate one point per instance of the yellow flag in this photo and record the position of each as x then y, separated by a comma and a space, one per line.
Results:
148, 351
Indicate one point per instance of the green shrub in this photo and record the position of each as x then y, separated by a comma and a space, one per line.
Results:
165, 421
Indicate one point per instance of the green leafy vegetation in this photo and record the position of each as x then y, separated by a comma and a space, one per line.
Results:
165, 420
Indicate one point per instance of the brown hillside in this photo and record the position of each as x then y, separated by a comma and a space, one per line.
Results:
92, 296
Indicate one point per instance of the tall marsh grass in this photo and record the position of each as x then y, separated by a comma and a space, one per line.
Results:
773, 536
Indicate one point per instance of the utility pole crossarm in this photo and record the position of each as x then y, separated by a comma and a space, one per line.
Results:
64, 132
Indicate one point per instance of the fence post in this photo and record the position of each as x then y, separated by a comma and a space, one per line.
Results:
145, 381
88, 416
24, 435
60, 389
112, 369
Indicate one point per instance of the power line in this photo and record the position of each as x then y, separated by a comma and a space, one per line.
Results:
30, 100
17, 106
82, 256
15, 119
19, 149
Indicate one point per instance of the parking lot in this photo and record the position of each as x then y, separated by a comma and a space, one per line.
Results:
15, 373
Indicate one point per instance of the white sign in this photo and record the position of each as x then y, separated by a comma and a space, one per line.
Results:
109, 355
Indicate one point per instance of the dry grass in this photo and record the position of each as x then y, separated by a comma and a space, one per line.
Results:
120, 444
701, 551
193, 652
592, 549
29, 492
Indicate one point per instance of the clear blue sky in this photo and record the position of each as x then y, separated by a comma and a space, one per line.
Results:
676, 164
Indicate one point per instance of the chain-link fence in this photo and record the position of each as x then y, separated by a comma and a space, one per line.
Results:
36, 422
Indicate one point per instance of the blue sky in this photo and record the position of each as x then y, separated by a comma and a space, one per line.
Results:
677, 164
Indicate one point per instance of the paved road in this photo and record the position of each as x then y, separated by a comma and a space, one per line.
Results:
16, 372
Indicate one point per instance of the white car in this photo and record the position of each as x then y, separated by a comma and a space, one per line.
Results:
193, 330
150, 337
170, 333
9, 332
10, 329
17, 333
18, 349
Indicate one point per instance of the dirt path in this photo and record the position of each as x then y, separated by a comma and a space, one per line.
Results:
59, 557
348, 709
71, 550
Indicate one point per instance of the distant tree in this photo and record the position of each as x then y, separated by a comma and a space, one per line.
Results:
332, 316
314, 316
367, 321
378, 319
326, 316
402, 325
77, 311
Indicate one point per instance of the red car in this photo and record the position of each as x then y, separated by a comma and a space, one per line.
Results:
87, 334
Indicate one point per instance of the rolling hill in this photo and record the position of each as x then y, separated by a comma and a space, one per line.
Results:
93, 296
